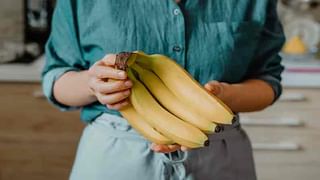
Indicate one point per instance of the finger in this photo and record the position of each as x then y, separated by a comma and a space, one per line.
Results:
109, 59
214, 87
169, 150
183, 148
210, 85
173, 147
155, 148
159, 148
165, 148
102, 72
114, 98
119, 106
113, 86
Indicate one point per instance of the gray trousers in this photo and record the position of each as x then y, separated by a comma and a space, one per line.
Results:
111, 150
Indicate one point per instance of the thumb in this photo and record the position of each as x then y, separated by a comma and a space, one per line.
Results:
214, 87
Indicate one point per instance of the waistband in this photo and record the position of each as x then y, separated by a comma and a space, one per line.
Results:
115, 126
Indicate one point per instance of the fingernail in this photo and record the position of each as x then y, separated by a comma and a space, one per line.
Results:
128, 83
126, 93
122, 74
208, 87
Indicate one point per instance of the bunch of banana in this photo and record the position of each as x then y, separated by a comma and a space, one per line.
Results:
168, 106
168, 100
188, 90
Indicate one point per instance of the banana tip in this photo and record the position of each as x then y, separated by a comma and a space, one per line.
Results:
206, 143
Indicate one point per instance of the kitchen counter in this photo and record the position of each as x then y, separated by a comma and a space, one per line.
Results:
301, 73
22, 72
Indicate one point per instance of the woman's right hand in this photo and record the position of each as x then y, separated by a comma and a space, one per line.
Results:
110, 86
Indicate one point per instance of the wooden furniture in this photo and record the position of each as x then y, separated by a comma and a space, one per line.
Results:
289, 150
37, 141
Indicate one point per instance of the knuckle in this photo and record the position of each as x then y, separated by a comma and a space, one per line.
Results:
116, 98
110, 106
126, 93
120, 85
91, 71
104, 100
109, 56
120, 96
91, 84
112, 88
100, 75
99, 88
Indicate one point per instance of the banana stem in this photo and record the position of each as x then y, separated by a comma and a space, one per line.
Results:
131, 75
137, 68
125, 60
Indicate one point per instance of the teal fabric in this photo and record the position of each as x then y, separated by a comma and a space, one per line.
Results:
223, 40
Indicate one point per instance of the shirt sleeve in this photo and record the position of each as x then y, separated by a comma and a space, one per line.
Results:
62, 49
266, 64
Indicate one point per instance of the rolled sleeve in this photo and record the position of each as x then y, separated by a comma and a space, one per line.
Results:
274, 82
62, 50
48, 81
267, 61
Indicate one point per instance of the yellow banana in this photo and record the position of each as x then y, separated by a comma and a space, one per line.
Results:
137, 121
139, 124
167, 124
188, 90
168, 100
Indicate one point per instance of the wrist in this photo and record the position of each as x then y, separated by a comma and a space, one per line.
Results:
89, 91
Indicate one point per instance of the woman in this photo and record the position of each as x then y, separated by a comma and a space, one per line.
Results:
231, 47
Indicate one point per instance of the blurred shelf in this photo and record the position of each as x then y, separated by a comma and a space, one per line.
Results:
304, 72
21, 72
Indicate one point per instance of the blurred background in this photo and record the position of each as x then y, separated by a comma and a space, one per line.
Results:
38, 142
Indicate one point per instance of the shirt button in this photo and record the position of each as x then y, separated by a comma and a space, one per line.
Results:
176, 48
176, 12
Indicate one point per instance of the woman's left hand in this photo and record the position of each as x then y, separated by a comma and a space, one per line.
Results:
167, 148
213, 87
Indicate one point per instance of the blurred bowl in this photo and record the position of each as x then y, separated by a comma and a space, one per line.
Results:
300, 57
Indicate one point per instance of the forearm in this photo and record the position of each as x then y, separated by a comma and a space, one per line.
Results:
72, 89
248, 96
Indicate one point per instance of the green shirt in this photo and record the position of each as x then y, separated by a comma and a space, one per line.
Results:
223, 40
